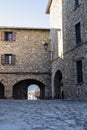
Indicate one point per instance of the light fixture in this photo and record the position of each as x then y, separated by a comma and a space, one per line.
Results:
46, 46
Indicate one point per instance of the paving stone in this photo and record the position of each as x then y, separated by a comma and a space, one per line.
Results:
42, 115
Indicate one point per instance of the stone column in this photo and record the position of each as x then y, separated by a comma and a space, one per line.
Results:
8, 92
52, 90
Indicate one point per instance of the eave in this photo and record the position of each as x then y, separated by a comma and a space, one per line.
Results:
48, 7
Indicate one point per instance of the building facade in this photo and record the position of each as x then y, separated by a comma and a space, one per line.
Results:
68, 22
23, 62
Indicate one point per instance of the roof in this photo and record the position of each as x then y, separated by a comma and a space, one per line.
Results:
48, 7
23, 28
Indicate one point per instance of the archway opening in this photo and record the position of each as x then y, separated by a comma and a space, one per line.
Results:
1, 91
20, 89
58, 86
33, 92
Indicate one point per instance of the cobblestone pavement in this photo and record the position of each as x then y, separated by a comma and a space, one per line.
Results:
42, 115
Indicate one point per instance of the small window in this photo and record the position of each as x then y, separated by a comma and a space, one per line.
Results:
8, 59
79, 71
8, 36
78, 33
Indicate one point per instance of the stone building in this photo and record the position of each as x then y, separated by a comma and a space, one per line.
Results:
23, 62
68, 22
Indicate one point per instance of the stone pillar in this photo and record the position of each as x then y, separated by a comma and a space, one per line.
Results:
48, 93
8, 92
52, 91
52, 85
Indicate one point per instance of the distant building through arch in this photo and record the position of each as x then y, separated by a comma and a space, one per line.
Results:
33, 92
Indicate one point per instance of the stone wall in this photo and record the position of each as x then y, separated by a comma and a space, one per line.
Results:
66, 20
56, 28
32, 61
56, 34
72, 51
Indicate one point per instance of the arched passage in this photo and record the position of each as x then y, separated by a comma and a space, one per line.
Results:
58, 84
20, 89
1, 91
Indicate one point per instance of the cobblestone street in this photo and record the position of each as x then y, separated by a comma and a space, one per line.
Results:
42, 115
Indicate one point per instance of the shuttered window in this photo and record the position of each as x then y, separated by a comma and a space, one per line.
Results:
2, 36
79, 71
8, 59
14, 36
8, 36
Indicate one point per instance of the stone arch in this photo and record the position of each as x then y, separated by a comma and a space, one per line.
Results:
21, 87
1, 91
58, 85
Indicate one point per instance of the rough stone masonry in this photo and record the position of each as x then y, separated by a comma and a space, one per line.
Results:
24, 61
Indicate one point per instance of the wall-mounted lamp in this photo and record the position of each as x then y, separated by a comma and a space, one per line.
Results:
45, 46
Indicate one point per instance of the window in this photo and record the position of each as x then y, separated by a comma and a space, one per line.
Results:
8, 59
78, 33
8, 36
76, 3
79, 71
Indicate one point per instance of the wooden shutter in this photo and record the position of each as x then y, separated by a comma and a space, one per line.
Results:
14, 36
13, 59
3, 59
2, 36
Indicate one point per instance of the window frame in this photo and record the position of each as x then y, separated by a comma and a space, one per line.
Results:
8, 36
78, 33
79, 71
8, 59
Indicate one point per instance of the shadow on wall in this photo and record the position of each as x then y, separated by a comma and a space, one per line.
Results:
58, 86
1, 91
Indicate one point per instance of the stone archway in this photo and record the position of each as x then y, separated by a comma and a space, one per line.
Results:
1, 91
58, 86
21, 87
